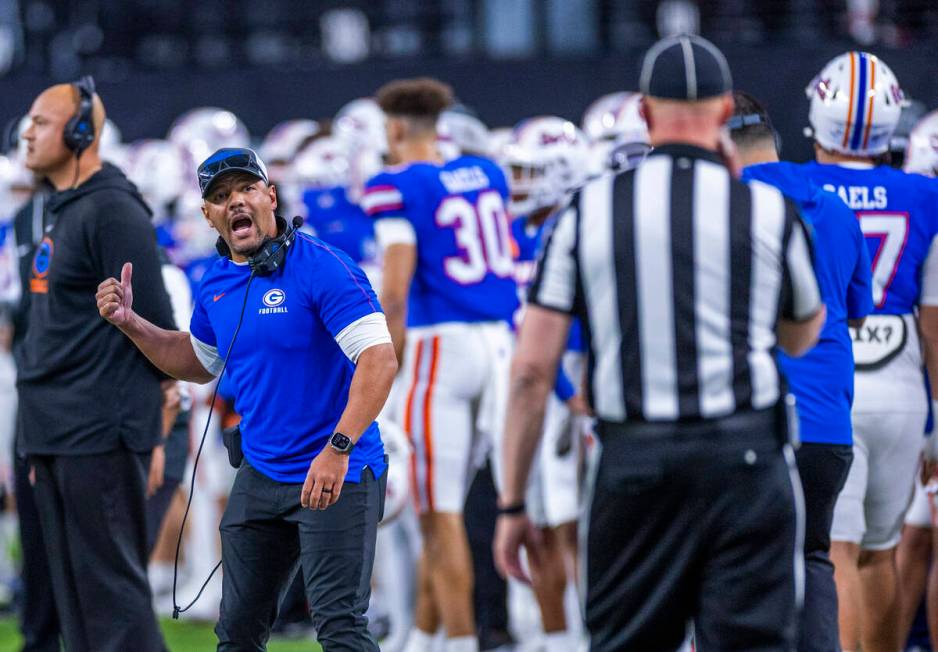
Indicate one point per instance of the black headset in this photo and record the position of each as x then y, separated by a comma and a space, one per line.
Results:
79, 130
273, 251
742, 121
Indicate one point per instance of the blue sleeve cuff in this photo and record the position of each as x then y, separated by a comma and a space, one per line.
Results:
563, 388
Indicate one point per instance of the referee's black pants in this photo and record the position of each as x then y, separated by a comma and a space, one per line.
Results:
823, 469
266, 535
697, 523
92, 511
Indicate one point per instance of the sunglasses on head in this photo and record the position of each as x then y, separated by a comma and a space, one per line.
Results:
244, 160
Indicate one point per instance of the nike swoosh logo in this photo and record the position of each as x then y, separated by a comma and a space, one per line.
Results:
216, 297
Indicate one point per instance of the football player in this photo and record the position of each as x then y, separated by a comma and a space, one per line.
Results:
278, 149
919, 543
448, 294
855, 106
617, 131
322, 170
547, 159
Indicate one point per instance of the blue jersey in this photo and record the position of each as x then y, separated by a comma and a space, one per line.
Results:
457, 214
898, 214
822, 380
340, 222
528, 243
290, 377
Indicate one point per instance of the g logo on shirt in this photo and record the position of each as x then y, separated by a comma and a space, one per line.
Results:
42, 260
273, 300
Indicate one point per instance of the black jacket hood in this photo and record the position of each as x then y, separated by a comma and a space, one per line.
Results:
109, 177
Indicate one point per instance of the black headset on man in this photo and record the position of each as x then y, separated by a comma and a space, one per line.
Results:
79, 131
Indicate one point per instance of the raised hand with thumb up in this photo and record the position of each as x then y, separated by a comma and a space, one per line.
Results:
115, 298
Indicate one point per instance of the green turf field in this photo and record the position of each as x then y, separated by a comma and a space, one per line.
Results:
180, 637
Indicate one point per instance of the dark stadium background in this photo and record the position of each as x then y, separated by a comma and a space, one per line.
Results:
509, 59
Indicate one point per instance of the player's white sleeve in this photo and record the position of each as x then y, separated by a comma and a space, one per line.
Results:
207, 355
930, 276
362, 334
394, 230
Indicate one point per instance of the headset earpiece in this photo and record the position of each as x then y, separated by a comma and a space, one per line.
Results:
271, 254
269, 258
79, 130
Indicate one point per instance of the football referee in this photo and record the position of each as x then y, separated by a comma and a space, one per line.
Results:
685, 280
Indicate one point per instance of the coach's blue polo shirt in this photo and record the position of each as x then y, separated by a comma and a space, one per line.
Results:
290, 377
822, 379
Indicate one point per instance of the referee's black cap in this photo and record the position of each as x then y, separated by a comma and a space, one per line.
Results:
685, 67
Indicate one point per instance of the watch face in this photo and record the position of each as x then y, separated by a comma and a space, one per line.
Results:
340, 441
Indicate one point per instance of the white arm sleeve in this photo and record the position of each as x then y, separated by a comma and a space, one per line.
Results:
207, 355
363, 333
930, 276
394, 230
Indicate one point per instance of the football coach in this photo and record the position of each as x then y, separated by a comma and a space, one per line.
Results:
297, 327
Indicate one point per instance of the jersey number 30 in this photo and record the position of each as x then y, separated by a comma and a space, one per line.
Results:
481, 234
891, 231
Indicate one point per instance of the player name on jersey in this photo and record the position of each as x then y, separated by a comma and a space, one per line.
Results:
464, 179
861, 197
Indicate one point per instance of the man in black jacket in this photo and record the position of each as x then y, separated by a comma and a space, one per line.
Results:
89, 401
38, 619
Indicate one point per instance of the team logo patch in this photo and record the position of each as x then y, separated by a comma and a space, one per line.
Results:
273, 302
274, 298
39, 284
878, 341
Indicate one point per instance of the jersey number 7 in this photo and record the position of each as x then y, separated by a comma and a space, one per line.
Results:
482, 236
891, 231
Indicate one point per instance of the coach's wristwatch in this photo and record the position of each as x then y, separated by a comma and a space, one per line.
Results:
341, 444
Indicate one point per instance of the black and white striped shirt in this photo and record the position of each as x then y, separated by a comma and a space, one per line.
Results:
679, 273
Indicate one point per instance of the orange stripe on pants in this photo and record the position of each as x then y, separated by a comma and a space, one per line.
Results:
428, 420
408, 423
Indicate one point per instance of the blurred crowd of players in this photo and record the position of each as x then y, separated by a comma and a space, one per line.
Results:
321, 169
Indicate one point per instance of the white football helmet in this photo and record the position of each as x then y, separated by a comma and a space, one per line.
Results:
16, 186
361, 124
498, 138
111, 147
547, 160
921, 157
283, 142
324, 163
158, 169
398, 490
202, 131
617, 131
459, 131
855, 105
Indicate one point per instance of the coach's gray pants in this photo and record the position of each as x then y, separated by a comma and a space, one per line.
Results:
266, 535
